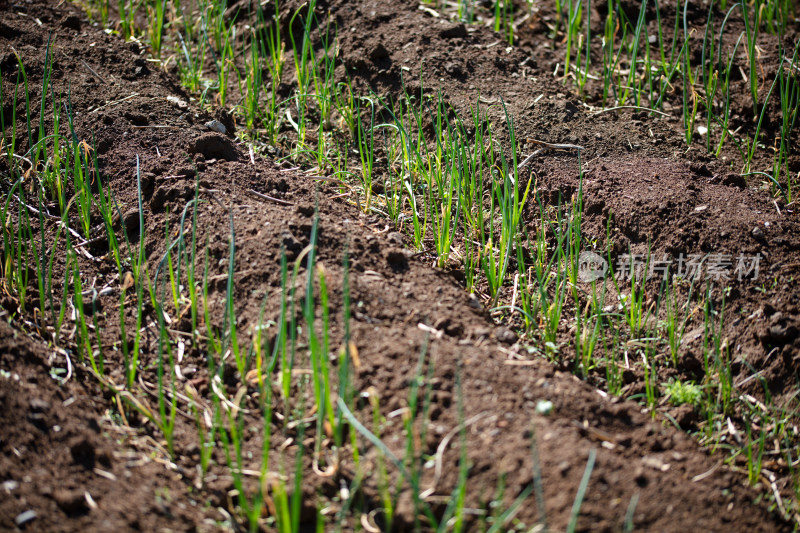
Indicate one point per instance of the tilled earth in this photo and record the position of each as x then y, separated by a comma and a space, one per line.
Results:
69, 462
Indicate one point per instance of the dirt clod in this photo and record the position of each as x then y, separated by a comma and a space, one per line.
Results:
71, 22
379, 52
453, 31
305, 209
396, 258
735, 180
215, 146
131, 221
83, 451
137, 119
71, 501
159, 199
686, 416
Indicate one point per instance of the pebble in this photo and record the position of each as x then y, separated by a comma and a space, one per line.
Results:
177, 102
475, 302
25, 517
544, 407
38, 405
758, 233
395, 238
216, 125
505, 335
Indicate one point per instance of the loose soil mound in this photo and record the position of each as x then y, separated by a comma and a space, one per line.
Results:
80, 460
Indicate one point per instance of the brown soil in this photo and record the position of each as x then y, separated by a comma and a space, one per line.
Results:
71, 458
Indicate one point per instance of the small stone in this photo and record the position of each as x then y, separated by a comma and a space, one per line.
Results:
505, 335
474, 301
216, 125
25, 517
544, 407
395, 238
227, 120
757, 232
180, 104
39, 406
